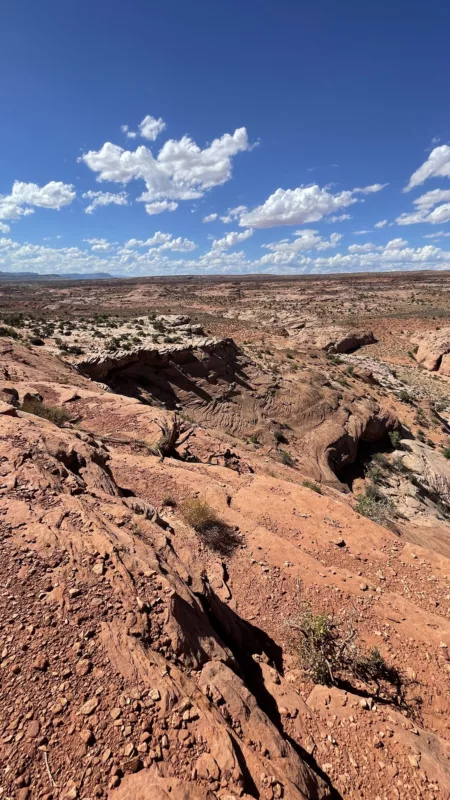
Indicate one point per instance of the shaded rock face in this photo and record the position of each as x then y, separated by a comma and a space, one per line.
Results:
137, 629
151, 364
333, 339
220, 387
433, 349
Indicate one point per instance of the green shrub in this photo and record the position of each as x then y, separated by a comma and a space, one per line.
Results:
446, 452
54, 414
329, 653
285, 458
381, 459
374, 505
5, 331
394, 436
313, 486
405, 397
15, 319
280, 437
374, 473
334, 359
213, 532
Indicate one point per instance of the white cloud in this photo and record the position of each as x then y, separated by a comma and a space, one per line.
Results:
437, 235
25, 196
159, 206
396, 255
126, 130
231, 239
381, 224
160, 242
181, 170
433, 198
437, 165
157, 238
362, 248
425, 210
99, 245
150, 128
361, 233
210, 218
338, 218
179, 245
104, 199
4, 228
286, 251
374, 187
296, 207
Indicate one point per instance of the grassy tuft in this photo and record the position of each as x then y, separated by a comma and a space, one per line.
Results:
54, 414
213, 532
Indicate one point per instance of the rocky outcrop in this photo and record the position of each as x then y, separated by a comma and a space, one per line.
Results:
144, 362
333, 339
90, 577
376, 373
432, 348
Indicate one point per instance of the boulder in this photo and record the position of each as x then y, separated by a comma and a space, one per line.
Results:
333, 338
432, 347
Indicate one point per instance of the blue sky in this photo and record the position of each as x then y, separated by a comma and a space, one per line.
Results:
310, 137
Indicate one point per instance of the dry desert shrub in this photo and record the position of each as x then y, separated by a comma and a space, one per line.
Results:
213, 532
54, 414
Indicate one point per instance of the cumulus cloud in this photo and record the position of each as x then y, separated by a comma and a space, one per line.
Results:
150, 128
233, 213
396, 255
286, 251
231, 239
433, 198
296, 207
25, 196
437, 165
157, 238
381, 224
374, 187
210, 218
179, 245
126, 130
180, 171
4, 228
159, 206
430, 207
161, 241
99, 245
104, 199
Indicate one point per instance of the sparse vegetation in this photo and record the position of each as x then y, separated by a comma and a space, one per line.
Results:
311, 485
55, 414
279, 437
285, 457
329, 653
213, 532
394, 437
5, 331
405, 396
376, 506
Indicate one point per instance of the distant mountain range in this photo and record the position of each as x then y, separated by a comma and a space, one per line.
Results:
36, 276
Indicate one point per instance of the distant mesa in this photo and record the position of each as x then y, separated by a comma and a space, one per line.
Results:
37, 276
